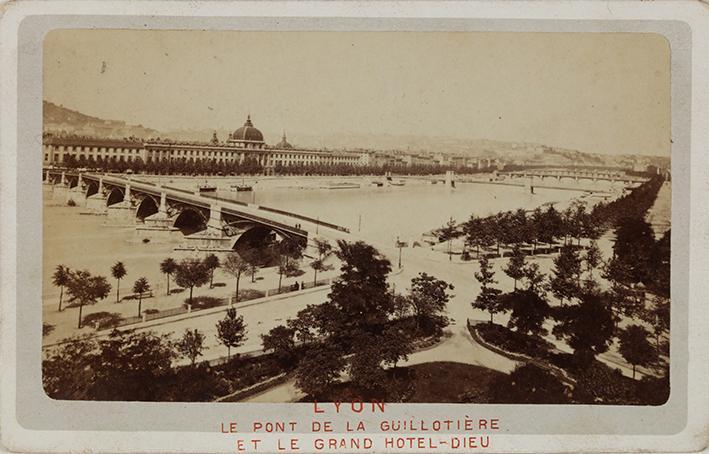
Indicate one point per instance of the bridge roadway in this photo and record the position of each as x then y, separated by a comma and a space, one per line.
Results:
254, 213
558, 174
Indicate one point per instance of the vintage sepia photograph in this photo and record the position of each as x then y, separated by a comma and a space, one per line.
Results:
331, 216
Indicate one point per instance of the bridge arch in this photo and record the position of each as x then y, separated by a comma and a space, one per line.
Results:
115, 196
148, 206
191, 220
91, 187
257, 237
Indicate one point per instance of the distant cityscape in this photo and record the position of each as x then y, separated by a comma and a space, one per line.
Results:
73, 139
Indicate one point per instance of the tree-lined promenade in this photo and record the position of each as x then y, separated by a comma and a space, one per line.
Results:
318, 345
81, 288
627, 310
544, 227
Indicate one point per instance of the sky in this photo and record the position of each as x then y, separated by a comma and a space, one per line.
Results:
595, 92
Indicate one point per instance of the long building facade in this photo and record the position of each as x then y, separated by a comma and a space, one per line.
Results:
246, 143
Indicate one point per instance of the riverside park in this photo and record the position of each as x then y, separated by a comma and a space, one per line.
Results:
491, 288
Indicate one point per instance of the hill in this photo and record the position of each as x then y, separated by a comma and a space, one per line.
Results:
60, 120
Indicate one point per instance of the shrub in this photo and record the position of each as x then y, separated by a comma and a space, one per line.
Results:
295, 272
104, 319
513, 341
250, 294
204, 302
71, 203
528, 384
599, 384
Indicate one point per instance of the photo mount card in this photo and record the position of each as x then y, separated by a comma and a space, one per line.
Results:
353, 227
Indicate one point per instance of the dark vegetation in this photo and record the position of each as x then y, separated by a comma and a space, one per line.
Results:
437, 382
587, 317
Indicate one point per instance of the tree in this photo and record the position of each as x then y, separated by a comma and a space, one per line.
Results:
515, 266
529, 384
191, 344
236, 266
520, 227
529, 311
324, 250
319, 369
535, 279
141, 287
661, 258
168, 267
593, 258
60, 278
280, 340
537, 228
287, 252
83, 289
567, 269
429, 297
132, 366
118, 271
255, 257
231, 331
397, 344
212, 263
547, 225
659, 317
191, 273
635, 348
447, 233
66, 370
634, 247
359, 311
489, 297
587, 327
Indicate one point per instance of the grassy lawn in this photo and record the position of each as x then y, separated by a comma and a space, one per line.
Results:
437, 382
450, 382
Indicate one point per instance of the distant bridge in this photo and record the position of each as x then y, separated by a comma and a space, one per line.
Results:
161, 211
576, 175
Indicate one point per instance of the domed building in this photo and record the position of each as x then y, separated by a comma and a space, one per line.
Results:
283, 144
247, 136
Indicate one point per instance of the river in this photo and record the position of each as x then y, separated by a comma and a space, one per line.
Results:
82, 241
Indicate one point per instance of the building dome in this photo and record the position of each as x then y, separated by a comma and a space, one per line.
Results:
283, 144
247, 132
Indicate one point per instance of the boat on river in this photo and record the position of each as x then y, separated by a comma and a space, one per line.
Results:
207, 188
243, 187
342, 185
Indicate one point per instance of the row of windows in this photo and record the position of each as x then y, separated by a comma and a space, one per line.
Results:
73, 149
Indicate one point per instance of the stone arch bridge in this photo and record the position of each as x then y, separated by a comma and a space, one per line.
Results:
576, 175
160, 212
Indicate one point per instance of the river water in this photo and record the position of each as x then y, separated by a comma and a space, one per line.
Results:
82, 241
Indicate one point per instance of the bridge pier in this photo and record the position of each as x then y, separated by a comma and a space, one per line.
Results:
60, 190
97, 202
213, 237
449, 178
47, 181
121, 213
78, 193
159, 226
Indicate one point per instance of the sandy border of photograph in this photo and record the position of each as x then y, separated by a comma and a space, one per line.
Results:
31, 420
